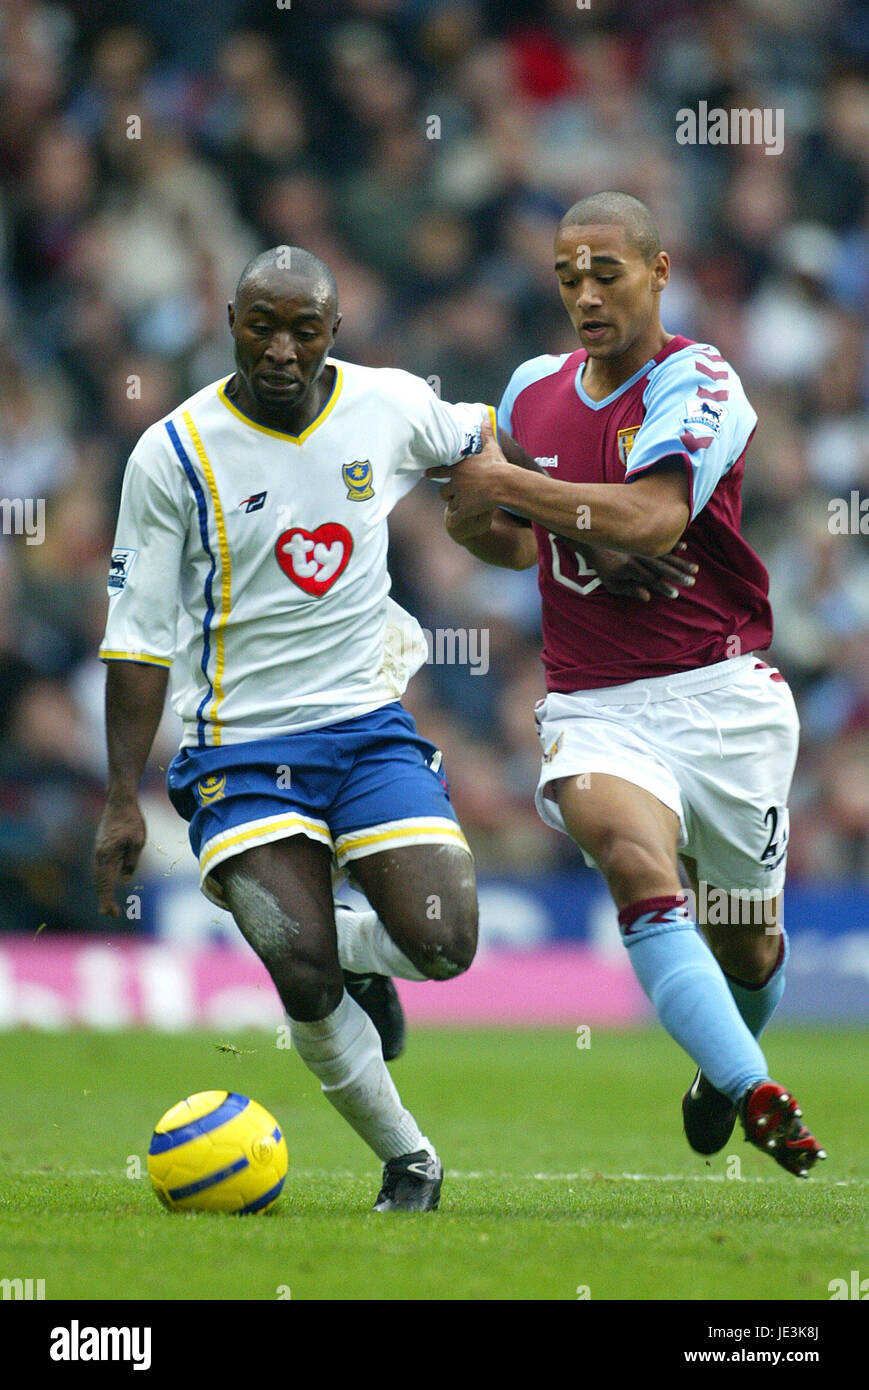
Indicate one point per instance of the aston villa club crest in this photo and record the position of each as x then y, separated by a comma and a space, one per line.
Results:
626, 443
358, 478
554, 749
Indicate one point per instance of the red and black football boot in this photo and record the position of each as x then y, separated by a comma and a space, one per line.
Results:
770, 1117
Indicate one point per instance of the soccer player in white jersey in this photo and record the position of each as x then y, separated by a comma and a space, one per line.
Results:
663, 733
250, 557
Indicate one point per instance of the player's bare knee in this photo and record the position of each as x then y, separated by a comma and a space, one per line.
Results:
633, 868
311, 991
447, 948
446, 958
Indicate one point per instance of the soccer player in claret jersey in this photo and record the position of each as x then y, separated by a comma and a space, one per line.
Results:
663, 733
250, 556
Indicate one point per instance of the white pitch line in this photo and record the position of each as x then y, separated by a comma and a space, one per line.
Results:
461, 1175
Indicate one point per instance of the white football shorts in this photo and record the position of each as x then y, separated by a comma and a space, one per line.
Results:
717, 745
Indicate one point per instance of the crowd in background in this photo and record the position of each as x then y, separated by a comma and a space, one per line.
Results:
425, 151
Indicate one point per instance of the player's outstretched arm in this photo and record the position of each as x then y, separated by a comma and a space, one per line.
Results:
646, 517
135, 695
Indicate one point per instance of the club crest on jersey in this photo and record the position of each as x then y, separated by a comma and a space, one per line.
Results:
358, 477
554, 750
212, 788
119, 568
626, 443
314, 559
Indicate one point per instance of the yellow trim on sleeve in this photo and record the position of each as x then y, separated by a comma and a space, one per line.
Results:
280, 434
225, 576
135, 656
493, 416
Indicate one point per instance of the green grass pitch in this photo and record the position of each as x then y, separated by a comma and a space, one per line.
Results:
566, 1171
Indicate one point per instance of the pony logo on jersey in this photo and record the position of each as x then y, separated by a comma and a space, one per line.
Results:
119, 568
708, 413
212, 788
626, 443
357, 478
314, 559
255, 503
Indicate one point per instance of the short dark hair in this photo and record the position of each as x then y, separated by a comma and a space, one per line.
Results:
622, 210
296, 260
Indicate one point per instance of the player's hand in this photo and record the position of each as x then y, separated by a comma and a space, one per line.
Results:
469, 486
120, 840
635, 576
465, 530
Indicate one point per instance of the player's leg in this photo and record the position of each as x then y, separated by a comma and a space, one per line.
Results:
425, 901
752, 949
632, 836
737, 792
397, 837
281, 897
748, 939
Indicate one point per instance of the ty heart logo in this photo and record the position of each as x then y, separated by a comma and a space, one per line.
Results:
314, 559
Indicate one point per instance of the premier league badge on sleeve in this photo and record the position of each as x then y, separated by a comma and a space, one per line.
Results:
119, 569
358, 477
708, 413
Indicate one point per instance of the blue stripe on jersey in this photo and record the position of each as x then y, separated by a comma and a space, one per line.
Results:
202, 509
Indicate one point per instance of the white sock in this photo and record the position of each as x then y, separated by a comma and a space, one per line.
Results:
365, 946
344, 1052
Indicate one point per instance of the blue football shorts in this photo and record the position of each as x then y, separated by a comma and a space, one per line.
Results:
359, 786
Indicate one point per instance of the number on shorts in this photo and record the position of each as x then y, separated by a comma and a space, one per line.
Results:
771, 818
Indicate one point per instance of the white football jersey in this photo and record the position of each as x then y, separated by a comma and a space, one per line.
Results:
254, 562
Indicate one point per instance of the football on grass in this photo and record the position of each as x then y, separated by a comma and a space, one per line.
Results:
217, 1151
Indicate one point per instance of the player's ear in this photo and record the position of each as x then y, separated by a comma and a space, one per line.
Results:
660, 269
230, 313
336, 325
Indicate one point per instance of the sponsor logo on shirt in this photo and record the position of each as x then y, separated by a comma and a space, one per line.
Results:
358, 477
547, 462
314, 559
119, 568
255, 503
626, 442
707, 413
